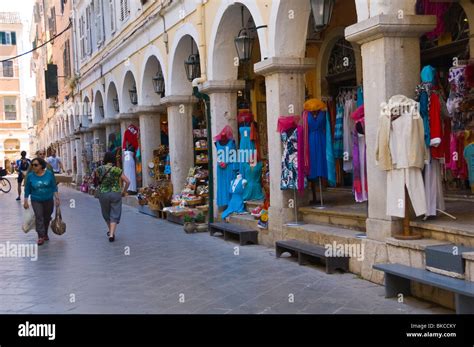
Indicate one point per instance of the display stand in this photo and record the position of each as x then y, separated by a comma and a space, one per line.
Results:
296, 222
407, 233
321, 207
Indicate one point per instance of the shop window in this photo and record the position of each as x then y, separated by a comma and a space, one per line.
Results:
9, 105
7, 68
7, 38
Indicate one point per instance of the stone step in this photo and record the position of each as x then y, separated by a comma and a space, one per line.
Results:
245, 220
349, 219
449, 232
250, 205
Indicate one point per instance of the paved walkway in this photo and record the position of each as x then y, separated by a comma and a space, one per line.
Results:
167, 271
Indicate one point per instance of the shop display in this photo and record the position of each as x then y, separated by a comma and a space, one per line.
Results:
129, 169
469, 156
157, 196
287, 127
401, 152
359, 182
131, 137
224, 143
196, 190
236, 203
253, 189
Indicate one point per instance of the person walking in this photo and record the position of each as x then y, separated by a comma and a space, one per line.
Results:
41, 185
112, 185
55, 162
22, 166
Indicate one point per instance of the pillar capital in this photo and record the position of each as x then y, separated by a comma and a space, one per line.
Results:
151, 110
221, 86
127, 116
284, 65
96, 126
110, 120
390, 25
176, 100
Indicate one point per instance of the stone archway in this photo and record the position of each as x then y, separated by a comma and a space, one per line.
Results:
98, 109
151, 67
129, 82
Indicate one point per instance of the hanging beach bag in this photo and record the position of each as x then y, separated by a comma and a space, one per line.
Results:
57, 225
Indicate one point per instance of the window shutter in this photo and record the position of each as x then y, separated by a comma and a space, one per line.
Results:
13, 38
3, 39
112, 15
122, 10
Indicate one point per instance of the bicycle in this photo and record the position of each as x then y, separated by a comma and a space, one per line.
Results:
5, 185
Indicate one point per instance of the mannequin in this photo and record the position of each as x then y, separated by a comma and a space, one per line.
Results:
129, 168
236, 203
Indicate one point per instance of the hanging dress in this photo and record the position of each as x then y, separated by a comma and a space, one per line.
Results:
349, 108
289, 160
236, 203
246, 147
225, 172
317, 145
129, 170
339, 133
253, 189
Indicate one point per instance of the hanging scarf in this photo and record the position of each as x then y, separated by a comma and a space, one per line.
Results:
330, 155
301, 158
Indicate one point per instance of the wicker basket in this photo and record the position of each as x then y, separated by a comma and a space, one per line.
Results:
142, 202
154, 206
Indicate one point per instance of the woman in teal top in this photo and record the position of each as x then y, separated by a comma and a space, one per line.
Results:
41, 186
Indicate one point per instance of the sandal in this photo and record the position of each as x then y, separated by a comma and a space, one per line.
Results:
111, 238
40, 241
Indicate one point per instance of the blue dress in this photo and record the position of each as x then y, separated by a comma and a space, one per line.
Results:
236, 203
224, 175
318, 166
253, 189
246, 148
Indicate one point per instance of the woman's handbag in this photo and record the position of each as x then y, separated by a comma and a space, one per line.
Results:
98, 182
57, 225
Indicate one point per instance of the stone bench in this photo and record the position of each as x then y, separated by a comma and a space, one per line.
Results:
398, 277
245, 235
305, 252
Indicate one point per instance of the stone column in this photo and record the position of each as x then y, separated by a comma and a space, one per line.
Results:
150, 138
98, 131
389, 37
223, 104
79, 143
72, 150
180, 129
284, 79
391, 65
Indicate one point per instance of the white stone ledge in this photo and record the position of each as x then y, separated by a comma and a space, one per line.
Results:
284, 65
222, 86
389, 26
414, 244
174, 100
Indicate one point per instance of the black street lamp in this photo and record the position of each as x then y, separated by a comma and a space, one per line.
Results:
322, 12
159, 83
116, 104
192, 65
133, 95
243, 42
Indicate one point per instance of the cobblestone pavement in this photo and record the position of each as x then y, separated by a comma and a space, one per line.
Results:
81, 272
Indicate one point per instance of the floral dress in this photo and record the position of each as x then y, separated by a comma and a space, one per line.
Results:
289, 163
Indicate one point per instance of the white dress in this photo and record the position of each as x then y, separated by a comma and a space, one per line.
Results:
129, 170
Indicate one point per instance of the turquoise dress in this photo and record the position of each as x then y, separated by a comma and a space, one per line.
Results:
236, 203
253, 189
246, 148
224, 174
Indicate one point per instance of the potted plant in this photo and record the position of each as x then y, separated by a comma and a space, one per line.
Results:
201, 224
189, 223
